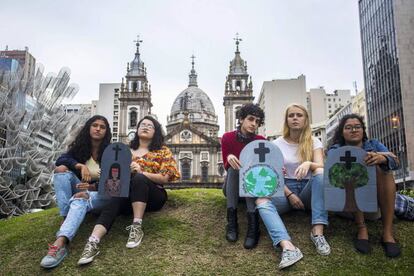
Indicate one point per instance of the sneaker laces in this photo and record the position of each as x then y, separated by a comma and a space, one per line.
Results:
53, 249
289, 254
320, 241
89, 247
133, 230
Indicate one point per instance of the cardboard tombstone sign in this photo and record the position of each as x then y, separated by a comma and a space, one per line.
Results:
349, 184
115, 171
261, 172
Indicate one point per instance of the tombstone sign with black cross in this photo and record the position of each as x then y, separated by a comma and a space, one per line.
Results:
115, 171
261, 172
349, 184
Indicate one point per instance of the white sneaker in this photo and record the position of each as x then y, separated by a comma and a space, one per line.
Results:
322, 246
135, 235
289, 257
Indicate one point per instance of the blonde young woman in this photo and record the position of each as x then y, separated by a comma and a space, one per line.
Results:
303, 162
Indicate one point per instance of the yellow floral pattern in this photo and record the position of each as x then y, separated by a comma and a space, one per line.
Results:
159, 161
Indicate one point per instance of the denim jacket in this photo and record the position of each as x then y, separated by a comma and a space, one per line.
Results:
69, 161
376, 146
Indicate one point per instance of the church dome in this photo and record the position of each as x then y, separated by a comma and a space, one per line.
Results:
137, 67
193, 99
193, 103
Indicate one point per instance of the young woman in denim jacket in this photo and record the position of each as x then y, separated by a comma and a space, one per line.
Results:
351, 132
75, 182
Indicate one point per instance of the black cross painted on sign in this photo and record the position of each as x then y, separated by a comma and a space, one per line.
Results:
116, 149
261, 151
348, 159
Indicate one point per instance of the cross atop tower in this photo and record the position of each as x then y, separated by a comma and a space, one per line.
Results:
192, 61
138, 41
237, 39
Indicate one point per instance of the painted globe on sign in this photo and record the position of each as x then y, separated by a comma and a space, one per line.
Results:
261, 181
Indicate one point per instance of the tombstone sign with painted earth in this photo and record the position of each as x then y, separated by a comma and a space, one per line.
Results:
261, 172
115, 171
349, 184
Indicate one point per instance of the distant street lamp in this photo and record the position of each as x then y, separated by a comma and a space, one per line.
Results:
395, 122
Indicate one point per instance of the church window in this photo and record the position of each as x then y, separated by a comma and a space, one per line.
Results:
238, 85
204, 172
134, 86
186, 169
133, 115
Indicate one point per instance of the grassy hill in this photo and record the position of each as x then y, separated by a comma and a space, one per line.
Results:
187, 238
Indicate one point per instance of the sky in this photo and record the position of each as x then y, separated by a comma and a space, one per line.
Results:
280, 40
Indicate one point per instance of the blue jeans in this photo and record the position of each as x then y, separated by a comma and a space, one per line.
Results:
309, 191
65, 188
78, 207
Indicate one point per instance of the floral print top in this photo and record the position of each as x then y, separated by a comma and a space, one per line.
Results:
159, 161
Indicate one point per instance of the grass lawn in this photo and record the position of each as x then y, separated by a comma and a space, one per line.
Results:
187, 238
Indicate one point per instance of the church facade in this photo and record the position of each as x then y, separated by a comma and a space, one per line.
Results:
192, 126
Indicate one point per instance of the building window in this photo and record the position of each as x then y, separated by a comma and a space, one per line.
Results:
133, 118
204, 171
185, 169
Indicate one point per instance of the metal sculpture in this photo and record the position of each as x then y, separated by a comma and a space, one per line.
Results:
34, 130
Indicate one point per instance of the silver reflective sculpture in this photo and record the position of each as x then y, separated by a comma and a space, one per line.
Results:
34, 131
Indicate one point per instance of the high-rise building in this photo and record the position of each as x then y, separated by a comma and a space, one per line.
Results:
25, 59
274, 97
238, 89
387, 39
322, 105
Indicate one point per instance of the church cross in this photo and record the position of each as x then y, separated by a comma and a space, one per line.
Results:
348, 159
237, 39
138, 40
116, 149
261, 151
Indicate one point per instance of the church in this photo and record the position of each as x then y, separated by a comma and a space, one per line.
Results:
192, 126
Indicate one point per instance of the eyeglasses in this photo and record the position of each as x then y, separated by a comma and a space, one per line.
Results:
353, 128
142, 125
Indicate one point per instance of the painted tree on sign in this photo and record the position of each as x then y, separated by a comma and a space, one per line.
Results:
348, 177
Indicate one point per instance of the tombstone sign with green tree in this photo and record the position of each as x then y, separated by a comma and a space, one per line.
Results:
349, 184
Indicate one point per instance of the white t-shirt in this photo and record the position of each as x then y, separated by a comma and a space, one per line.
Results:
291, 159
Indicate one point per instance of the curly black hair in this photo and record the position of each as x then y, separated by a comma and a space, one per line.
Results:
157, 140
81, 147
250, 109
339, 136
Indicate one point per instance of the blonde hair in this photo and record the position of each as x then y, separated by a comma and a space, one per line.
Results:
305, 150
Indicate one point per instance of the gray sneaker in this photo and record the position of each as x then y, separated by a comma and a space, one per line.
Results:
54, 256
322, 246
289, 257
90, 251
135, 235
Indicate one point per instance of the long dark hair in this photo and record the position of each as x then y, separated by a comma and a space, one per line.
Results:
157, 140
339, 132
81, 148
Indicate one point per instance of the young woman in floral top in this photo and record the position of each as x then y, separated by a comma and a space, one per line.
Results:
152, 166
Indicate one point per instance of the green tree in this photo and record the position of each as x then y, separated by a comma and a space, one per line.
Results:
348, 178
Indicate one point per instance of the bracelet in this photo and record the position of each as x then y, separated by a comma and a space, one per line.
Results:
289, 194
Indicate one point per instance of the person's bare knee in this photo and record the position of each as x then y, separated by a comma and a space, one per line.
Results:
61, 169
262, 200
